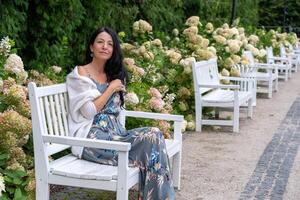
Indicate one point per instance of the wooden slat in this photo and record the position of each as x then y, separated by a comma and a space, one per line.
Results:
71, 166
59, 115
48, 117
41, 105
66, 101
64, 114
53, 115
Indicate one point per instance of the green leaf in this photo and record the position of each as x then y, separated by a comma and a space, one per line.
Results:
18, 194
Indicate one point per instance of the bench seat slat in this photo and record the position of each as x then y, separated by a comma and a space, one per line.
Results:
72, 166
224, 96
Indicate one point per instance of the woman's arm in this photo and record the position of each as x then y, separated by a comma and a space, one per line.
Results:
89, 110
114, 86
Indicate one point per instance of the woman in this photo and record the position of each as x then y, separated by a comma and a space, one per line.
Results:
96, 97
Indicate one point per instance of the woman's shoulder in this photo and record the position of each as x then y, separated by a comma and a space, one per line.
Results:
82, 70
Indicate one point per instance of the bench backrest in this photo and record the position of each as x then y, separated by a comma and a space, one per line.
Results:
49, 107
282, 51
270, 55
205, 72
249, 56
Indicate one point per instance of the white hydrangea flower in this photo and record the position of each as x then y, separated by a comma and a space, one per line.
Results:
175, 32
253, 39
131, 98
209, 27
193, 21
2, 185
157, 42
191, 126
14, 64
183, 127
56, 69
234, 45
220, 39
5, 46
262, 53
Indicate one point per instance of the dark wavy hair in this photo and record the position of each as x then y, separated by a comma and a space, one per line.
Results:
114, 67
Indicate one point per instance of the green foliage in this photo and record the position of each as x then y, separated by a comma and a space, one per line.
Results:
279, 13
162, 14
13, 17
53, 26
219, 12
15, 181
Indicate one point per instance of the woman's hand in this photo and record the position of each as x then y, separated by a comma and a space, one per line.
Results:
116, 85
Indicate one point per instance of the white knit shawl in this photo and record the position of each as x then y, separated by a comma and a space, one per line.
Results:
81, 90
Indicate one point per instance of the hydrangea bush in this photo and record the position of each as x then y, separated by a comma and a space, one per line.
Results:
160, 64
16, 154
160, 71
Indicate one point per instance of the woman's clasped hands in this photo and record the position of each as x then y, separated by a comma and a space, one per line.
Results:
117, 86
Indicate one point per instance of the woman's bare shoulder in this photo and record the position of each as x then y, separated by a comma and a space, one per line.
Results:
82, 70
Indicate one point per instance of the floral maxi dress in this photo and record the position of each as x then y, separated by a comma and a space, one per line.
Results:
148, 150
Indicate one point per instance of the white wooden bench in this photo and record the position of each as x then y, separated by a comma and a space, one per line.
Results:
265, 74
210, 93
49, 108
295, 58
283, 64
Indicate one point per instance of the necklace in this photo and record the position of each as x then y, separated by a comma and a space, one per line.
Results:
99, 77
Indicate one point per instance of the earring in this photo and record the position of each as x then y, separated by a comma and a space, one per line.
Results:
92, 54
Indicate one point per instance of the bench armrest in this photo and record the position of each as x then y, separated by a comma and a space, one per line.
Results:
151, 115
279, 58
73, 141
178, 120
231, 78
221, 86
265, 66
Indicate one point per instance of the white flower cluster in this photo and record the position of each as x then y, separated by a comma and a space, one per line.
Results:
209, 27
186, 63
193, 21
14, 64
2, 185
174, 56
156, 102
137, 72
56, 69
253, 39
141, 27
233, 46
5, 46
131, 98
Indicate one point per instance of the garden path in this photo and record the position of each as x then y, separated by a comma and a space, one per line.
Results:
260, 162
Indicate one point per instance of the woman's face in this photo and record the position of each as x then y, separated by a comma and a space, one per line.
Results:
102, 47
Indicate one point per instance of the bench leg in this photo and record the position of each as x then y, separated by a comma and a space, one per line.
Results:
42, 190
236, 113
270, 89
176, 171
250, 108
198, 118
122, 195
276, 84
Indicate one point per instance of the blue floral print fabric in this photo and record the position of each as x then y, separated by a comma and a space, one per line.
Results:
148, 150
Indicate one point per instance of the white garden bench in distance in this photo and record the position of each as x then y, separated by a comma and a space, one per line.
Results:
295, 58
49, 108
265, 74
209, 92
283, 64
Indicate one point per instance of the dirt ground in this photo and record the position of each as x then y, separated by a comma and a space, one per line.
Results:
218, 164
